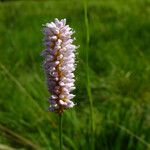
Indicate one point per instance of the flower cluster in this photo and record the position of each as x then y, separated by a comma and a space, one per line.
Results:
59, 64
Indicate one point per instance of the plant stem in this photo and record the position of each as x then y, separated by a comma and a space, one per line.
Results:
88, 76
60, 131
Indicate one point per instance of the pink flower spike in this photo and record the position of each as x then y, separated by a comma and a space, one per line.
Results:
59, 64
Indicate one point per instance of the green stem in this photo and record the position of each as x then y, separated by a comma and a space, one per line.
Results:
88, 76
60, 131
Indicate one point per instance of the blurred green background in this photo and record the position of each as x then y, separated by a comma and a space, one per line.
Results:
119, 65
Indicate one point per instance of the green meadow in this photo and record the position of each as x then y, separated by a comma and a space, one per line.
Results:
119, 74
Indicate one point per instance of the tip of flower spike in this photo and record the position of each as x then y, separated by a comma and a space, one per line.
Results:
64, 21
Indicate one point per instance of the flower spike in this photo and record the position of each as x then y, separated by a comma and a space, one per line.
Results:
59, 64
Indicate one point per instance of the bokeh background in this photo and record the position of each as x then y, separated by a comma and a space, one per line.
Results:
119, 67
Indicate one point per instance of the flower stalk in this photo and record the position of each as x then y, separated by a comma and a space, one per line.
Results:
60, 131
